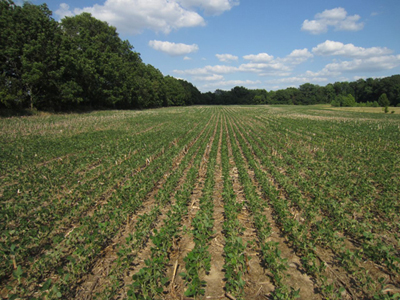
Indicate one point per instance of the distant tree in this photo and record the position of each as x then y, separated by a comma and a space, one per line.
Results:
175, 92
260, 96
308, 93
348, 101
391, 87
329, 93
383, 100
240, 95
335, 102
193, 94
259, 99
282, 97
343, 88
207, 98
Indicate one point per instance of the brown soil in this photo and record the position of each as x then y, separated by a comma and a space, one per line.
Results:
215, 278
185, 243
98, 279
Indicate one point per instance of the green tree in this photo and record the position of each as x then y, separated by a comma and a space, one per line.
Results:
308, 93
96, 63
329, 93
383, 100
348, 101
175, 92
30, 40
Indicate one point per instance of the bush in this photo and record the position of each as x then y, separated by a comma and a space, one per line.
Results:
349, 101
383, 100
335, 103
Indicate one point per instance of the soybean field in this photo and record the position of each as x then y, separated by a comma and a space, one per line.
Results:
213, 202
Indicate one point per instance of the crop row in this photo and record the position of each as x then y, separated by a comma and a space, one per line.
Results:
150, 280
198, 261
307, 236
271, 255
310, 200
146, 222
74, 251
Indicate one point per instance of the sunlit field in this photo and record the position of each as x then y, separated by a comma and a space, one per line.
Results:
213, 202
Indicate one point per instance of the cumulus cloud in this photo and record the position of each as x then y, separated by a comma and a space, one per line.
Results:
261, 64
302, 53
265, 64
208, 70
260, 57
336, 18
213, 77
372, 64
63, 11
298, 56
187, 58
322, 73
360, 66
134, 16
264, 68
173, 48
297, 80
226, 57
349, 50
210, 7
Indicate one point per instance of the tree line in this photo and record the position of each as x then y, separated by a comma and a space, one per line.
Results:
369, 92
82, 63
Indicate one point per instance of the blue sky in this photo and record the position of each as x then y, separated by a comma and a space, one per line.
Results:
269, 44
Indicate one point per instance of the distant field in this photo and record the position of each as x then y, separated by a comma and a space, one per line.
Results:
255, 202
377, 110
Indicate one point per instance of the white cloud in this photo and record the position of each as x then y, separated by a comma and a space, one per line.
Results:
221, 69
297, 80
232, 83
63, 11
187, 58
173, 48
273, 67
298, 56
348, 50
372, 64
261, 57
362, 66
265, 64
261, 64
302, 53
133, 16
226, 57
322, 73
211, 7
208, 70
213, 77
336, 18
